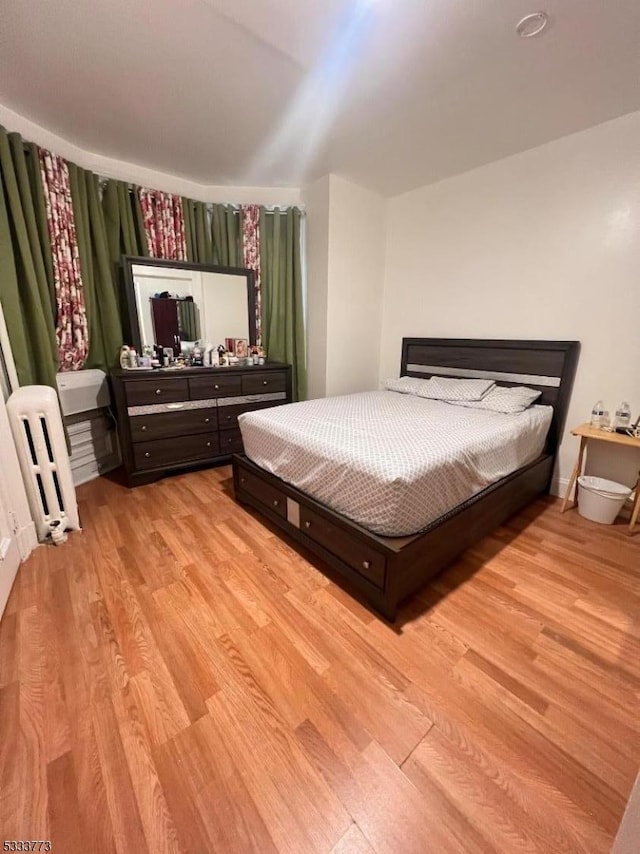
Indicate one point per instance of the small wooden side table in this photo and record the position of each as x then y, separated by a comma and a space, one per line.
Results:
587, 433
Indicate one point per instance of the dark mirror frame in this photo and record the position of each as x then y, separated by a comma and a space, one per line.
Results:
134, 324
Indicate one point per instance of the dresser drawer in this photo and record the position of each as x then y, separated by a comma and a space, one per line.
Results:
350, 549
164, 425
265, 381
228, 415
160, 390
231, 441
180, 449
202, 388
268, 495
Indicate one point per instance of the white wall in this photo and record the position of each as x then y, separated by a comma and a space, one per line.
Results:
544, 244
357, 225
109, 167
345, 274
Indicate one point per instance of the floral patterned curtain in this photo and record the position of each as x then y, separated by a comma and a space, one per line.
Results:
72, 331
251, 256
163, 217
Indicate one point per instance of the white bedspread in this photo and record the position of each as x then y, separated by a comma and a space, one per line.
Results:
391, 462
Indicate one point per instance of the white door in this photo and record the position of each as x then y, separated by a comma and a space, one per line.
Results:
9, 553
9, 474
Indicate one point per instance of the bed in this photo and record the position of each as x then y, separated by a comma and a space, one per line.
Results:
388, 488
347, 453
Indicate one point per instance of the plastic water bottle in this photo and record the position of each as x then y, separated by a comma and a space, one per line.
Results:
597, 414
623, 416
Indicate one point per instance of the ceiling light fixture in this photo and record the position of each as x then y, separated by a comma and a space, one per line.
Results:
532, 25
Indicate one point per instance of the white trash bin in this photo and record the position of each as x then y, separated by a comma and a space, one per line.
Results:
601, 500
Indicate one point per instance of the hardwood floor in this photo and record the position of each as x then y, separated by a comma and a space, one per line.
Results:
177, 678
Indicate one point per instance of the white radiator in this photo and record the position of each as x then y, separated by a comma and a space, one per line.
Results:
36, 424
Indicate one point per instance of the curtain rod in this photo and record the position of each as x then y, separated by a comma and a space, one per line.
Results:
233, 205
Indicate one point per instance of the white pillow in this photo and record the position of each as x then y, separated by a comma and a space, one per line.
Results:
441, 388
503, 399
448, 388
407, 385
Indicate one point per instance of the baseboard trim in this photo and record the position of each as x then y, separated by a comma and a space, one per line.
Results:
559, 486
27, 540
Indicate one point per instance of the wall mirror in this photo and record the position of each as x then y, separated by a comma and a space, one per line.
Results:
175, 303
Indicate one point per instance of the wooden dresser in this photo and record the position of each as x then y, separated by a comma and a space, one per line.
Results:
170, 419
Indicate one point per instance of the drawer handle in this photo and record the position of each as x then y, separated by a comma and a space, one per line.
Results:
216, 386
276, 503
206, 420
147, 454
230, 440
229, 417
158, 391
307, 524
144, 427
208, 444
366, 564
265, 382
243, 480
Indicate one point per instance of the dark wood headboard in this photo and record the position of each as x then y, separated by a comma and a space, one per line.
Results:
549, 366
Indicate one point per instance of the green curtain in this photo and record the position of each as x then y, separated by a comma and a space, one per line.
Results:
226, 233
26, 267
125, 235
123, 221
98, 275
197, 232
283, 335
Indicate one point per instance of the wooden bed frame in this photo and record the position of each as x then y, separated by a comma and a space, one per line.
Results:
386, 570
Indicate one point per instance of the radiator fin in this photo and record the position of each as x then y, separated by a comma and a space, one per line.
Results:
56, 484
47, 442
32, 450
43, 497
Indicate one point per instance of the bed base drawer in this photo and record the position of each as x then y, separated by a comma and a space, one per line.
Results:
265, 493
353, 551
351, 554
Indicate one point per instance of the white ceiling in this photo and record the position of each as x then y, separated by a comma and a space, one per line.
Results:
392, 94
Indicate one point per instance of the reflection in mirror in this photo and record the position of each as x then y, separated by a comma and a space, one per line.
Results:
174, 320
176, 305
